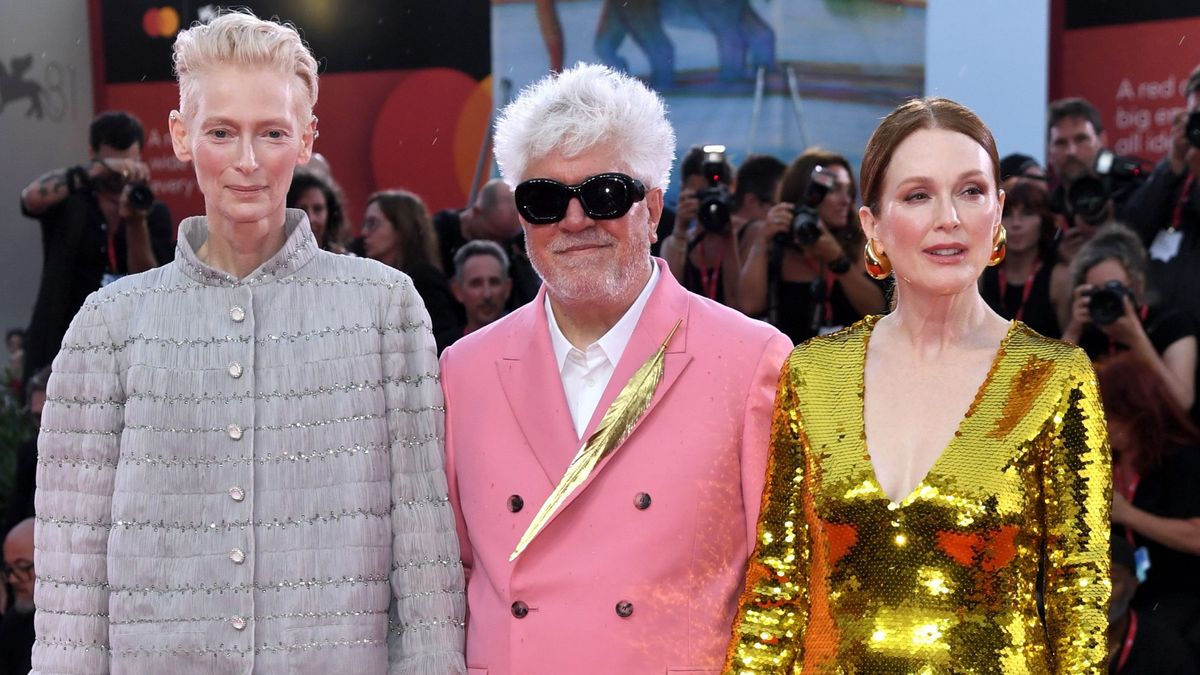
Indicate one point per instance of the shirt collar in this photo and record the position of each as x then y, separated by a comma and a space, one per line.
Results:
612, 344
297, 250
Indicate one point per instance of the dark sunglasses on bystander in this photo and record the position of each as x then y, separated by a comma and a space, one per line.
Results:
605, 196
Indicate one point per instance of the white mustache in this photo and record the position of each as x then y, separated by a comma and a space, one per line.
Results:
593, 238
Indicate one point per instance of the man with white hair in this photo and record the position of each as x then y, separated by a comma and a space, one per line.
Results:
606, 443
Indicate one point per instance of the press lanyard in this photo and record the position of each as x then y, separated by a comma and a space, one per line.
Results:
829, 281
1177, 214
1037, 266
710, 276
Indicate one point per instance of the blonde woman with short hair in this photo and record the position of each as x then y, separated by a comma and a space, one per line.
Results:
241, 460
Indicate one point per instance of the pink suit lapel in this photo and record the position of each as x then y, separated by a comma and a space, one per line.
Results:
667, 304
533, 386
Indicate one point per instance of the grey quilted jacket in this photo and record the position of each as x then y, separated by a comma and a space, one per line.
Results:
245, 476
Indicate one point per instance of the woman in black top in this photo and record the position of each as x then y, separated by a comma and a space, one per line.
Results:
397, 231
809, 288
1109, 313
1156, 500
1021, 286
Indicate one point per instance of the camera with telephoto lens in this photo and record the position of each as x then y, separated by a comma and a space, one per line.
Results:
1106, 304
1088, 195
1193, 128
141, 197
716, 200
805, 230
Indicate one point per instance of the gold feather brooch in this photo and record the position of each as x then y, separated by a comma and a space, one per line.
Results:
618, 422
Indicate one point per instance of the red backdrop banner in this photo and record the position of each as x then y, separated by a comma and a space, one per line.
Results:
1135, 74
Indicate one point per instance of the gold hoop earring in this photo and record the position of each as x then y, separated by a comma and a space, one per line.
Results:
999, 249
878, 266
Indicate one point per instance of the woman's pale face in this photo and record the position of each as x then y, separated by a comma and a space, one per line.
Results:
245, 137
1024, 229
939, 212
380, 240
834, 210
312, 202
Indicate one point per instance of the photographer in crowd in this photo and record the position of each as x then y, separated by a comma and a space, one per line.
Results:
803, 265
1109, 313
1156, 507
702, 251
754, 191
99, 221
1165, 211
1091, 183
1025, 285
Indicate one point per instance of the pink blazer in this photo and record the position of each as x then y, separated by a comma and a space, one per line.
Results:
640, 571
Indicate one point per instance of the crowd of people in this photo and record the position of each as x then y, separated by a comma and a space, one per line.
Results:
1093, 250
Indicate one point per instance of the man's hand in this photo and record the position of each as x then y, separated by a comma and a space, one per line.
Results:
125, 171
127, 212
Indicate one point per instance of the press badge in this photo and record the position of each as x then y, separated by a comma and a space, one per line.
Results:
1141, 559
1166, 244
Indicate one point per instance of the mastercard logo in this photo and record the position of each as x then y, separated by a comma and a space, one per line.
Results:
161, 22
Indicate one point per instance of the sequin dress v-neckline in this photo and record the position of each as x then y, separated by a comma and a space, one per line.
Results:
981, 391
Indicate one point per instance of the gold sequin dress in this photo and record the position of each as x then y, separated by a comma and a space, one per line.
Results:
844, 580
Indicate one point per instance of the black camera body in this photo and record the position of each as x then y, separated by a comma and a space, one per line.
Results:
1193, 128
805, 230
141, 197
1106, 304
716, 200
1088, 195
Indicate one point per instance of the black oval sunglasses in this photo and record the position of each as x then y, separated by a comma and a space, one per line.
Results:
605, 196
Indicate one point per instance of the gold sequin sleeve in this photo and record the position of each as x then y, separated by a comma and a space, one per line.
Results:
1077, 491
773, 608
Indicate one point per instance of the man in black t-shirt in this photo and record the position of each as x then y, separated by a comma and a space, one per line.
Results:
1165, 212
99, 221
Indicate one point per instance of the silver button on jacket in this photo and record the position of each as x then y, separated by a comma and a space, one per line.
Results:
197, 517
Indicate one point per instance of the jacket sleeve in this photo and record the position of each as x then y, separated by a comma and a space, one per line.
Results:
756, 429
1077, 497
1149, 208
428, 604
464, 541
772, 613
78, 448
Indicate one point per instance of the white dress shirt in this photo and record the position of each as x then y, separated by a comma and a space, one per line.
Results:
585, 373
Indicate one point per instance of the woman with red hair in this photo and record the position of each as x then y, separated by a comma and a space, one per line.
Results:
1156, 500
